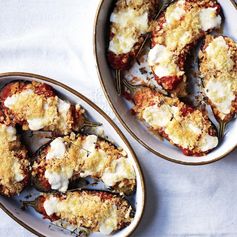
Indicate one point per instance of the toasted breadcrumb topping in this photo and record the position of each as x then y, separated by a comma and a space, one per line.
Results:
89, 156
218, 66
177, 29
90, 210
129, 20
12, 166
37, 111
183, 126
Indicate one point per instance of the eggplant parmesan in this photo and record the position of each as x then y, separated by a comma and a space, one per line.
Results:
14, 163
68, 158
97, 211
185, 127
218, 67
130, 22
175, 32
35, 106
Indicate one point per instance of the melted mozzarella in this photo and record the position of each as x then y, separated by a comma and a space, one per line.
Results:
36, 123
120, 169
121, 44
12, 100
63, 106
194, 128
185, 38
173, 15
218, 54
59, 181
94, 163
76, 206
221, 94
157, 116
161, 58
158, 54
129, 17
46, 111
209, 19
18, 176
208, 143
9, 132
89, 143
63, 110
130, 26
57, 149
51, 205
175, 138
110, 223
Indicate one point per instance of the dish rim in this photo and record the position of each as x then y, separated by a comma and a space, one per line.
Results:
106, 117
99, 73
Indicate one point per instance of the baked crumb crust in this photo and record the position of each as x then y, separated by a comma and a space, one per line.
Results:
226, 73
85, 163
187, 126
180, 36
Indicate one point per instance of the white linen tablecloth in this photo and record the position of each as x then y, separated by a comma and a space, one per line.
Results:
54, 38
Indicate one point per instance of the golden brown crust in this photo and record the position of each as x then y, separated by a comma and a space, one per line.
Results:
178, 130
14, 163
90, 208
95, 164
38, 101
226, 72
122, 60
179, 37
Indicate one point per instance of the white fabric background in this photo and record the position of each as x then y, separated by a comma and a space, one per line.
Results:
54, 38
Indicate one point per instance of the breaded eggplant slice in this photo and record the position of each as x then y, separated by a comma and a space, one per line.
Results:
35, 106
183, 126
130, 22
97, 211
69, 158
14, 163
218, 67
174, 34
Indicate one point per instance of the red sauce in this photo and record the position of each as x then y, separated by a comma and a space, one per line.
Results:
143, 95
40, 205
26, 180
185, 110
185, 151
44, 89
43, 182
169, 82
6, 92
191, 153
104, 195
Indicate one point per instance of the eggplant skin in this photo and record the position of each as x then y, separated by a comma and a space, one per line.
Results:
38, 180
41, 183
125, 211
